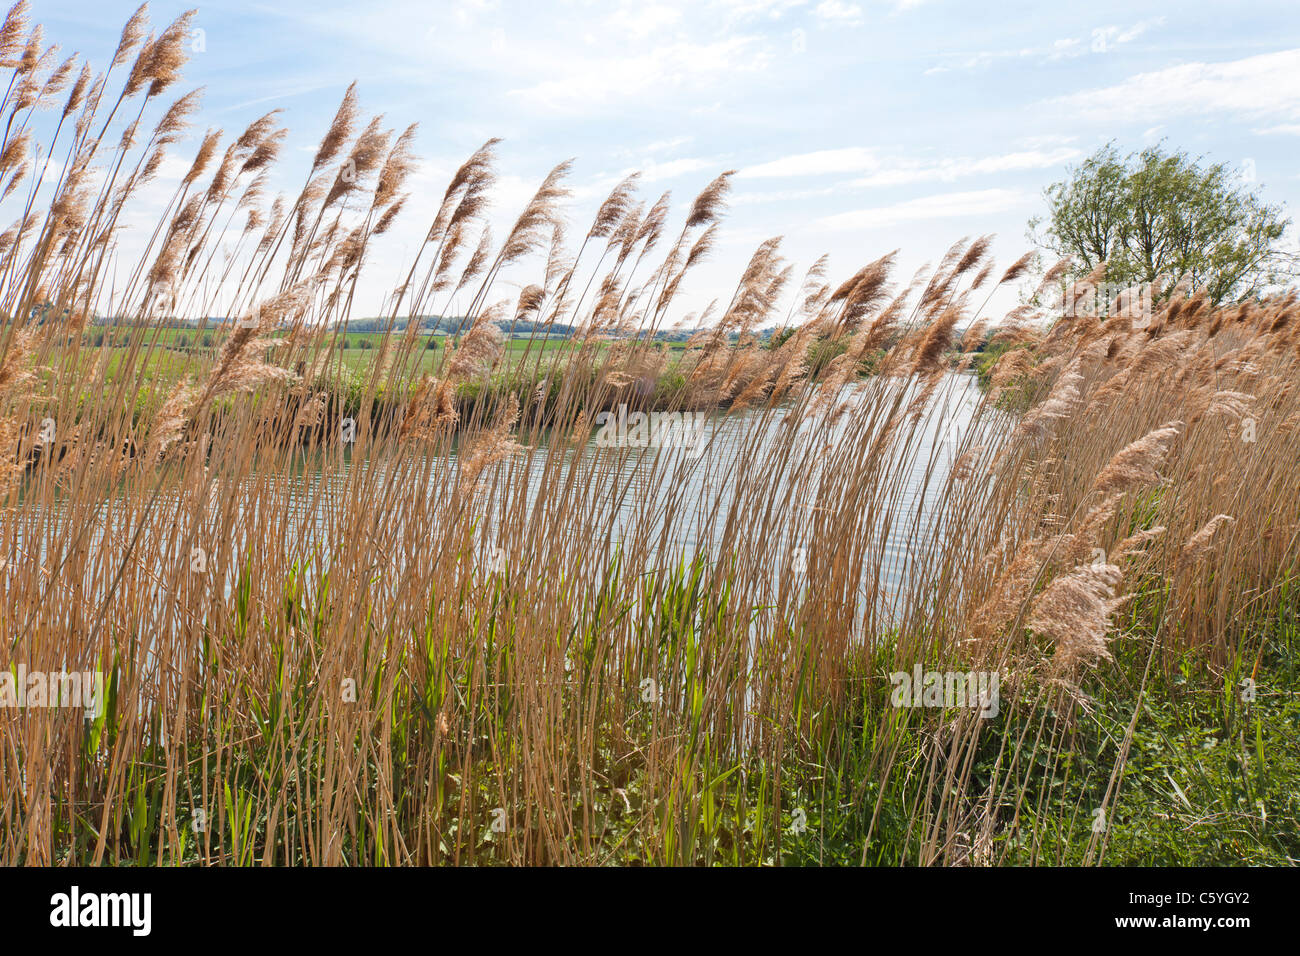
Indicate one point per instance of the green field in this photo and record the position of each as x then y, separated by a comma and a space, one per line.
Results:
171, 355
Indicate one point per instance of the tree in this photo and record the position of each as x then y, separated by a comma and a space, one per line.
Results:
1155, 214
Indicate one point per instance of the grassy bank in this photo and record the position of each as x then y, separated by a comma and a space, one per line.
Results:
403, 607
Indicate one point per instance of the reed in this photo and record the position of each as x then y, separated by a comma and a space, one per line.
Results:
423, 615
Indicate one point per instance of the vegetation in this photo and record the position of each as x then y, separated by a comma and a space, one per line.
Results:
413, 611
1155, 214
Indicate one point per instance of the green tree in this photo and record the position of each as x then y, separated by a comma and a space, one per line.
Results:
1154, 213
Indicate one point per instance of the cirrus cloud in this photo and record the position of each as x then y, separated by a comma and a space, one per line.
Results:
1263, 85
981, 202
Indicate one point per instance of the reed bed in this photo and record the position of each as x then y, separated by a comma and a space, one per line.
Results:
430, 618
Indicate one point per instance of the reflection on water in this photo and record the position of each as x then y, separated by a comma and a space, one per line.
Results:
672, 502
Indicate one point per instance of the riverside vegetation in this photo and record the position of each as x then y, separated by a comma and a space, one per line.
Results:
436, 644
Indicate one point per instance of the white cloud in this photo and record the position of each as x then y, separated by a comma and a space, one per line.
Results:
1101, 40
947, 170
981, 202
743, 11
658, 146
858, 159
1067, 46
853, 159
839, 12
652, 171
1106, 38
969, 62
468, 11
583, 84
743, 198
641, 20
1046, 139
1139, 28
1284, 129
1267, 84
830, 11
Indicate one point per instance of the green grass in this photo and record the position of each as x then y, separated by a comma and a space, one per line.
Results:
187, 353
189, 349
1208, 779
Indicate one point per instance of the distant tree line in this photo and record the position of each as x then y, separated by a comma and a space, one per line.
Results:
429, 325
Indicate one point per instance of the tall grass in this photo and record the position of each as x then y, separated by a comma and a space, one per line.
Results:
420, 618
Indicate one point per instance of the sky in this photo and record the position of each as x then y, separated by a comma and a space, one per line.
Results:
856, 126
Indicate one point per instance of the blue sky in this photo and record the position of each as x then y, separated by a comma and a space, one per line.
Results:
857, 126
